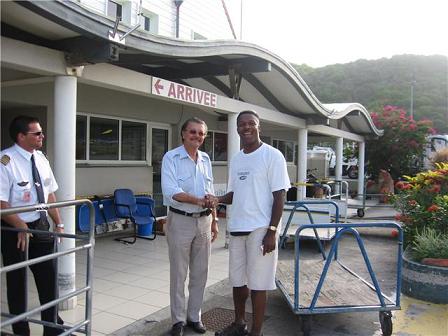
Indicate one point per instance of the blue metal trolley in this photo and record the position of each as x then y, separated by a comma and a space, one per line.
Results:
322, 284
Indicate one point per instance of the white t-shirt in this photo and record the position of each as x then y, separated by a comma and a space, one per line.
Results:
253, 178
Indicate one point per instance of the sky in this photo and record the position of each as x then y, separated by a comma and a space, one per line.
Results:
322, 32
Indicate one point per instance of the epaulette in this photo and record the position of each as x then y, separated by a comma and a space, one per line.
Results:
5, 160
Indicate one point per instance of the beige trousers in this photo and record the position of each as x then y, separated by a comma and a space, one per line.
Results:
189, 241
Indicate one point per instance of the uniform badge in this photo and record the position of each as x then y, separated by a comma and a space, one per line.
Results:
22, 184
5, 160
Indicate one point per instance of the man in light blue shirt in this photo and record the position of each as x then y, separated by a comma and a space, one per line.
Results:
186, 179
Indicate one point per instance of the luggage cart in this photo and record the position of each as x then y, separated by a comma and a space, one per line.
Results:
341, 197
365, 198
309, 212
83, 326
323, 284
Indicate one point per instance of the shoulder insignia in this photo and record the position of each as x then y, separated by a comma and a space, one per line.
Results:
5, 160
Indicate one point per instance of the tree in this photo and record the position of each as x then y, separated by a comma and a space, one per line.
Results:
401, 147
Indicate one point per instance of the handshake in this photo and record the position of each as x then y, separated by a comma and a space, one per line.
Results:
209, 201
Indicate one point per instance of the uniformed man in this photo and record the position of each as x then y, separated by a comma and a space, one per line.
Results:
27, 179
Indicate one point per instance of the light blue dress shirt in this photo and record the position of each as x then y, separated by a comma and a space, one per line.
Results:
181, 174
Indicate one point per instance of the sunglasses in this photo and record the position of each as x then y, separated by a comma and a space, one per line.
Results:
194, 132
39, 133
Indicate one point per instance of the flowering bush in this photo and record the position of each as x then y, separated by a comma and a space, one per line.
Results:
402, 144
423, 203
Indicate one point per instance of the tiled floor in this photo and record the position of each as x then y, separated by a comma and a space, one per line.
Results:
130, 282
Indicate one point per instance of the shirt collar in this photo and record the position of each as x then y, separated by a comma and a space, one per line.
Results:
184, 154
27, 155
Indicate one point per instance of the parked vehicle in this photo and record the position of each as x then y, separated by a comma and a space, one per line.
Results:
349, 166
434, 144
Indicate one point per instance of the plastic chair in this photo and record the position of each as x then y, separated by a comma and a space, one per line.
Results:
126, 207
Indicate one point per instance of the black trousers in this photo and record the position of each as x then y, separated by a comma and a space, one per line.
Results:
44, 276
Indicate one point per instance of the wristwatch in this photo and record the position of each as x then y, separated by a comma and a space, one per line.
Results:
272, 228
61, 226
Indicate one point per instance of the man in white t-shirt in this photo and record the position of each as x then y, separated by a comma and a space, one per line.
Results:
258, 182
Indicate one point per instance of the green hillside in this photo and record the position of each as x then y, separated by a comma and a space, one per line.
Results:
386, 81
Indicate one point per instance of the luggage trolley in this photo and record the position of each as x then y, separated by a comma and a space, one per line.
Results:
368, 201
322, 284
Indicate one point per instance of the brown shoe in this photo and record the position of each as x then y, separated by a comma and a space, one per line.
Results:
233, 330
178, 329
197, 327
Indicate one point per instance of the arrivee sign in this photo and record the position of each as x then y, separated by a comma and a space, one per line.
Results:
165, 88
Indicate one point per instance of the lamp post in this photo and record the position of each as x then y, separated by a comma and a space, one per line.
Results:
412, 99
177, 3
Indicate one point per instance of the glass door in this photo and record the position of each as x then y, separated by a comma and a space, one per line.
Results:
159, 148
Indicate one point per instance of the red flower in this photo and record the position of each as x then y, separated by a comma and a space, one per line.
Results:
412, 127
400, 185
412, 202
433, 208
435, 188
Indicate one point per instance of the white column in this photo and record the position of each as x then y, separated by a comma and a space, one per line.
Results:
64, 169
302, 141
361, 159
233, 139
233, 147
338, 168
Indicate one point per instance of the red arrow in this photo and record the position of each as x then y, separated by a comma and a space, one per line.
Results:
158, 86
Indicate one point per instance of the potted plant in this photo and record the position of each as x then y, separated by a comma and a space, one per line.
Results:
422, 202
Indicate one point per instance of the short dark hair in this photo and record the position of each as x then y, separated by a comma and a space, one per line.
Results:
21, 124
255, 114
192, 120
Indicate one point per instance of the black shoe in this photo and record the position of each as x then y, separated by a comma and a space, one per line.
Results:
197, 327
233, 330
178, 329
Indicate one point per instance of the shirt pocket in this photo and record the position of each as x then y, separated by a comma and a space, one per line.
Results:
21, 193
185, 182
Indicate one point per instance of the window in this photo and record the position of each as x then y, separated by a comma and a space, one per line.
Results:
114, 9
110, 139
146, 23
103, 139
149, 21
286, 147
215, 145
133, 141
81, 137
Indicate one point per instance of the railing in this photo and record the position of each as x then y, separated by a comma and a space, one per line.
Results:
84, 326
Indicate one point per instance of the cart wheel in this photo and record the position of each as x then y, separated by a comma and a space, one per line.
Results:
360, 213
306, 325
386, 323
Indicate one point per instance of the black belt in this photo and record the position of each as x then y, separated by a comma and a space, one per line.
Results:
191, 214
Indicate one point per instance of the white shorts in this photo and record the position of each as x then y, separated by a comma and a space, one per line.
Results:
248, 266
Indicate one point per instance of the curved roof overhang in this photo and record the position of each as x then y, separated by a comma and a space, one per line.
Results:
226, 67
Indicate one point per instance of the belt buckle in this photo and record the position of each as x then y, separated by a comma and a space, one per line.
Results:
196, 214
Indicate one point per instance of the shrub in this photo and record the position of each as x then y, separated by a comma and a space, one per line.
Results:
422, 202
402, 144
430, 244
